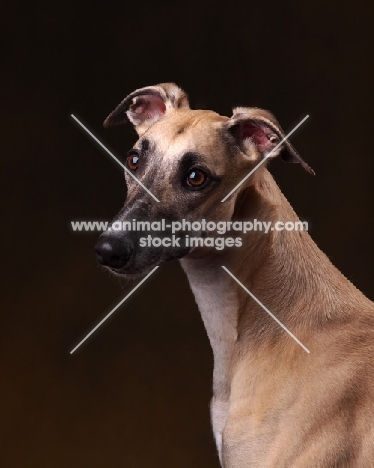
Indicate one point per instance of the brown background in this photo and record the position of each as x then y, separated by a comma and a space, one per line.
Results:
137, 393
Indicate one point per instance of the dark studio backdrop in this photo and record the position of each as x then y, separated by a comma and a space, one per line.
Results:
136, 394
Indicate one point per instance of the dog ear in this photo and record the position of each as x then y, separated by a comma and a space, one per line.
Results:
257, 131
145, 106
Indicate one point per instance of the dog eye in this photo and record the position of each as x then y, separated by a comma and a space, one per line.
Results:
196, 178
132, 161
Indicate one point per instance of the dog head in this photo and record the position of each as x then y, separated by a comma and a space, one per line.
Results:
188, 160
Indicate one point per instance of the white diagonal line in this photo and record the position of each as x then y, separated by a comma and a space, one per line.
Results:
113, 310
265, 158
267, 310
116, 159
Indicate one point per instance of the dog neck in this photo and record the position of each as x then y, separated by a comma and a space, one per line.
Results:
285, 270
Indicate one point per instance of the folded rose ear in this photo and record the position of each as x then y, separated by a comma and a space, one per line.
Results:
258, 134
145, 106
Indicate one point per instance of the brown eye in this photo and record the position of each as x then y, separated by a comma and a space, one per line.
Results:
133, 161
196, 178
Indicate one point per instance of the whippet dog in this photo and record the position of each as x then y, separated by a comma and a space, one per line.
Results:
273, 405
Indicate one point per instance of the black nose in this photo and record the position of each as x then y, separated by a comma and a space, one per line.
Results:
113, 252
